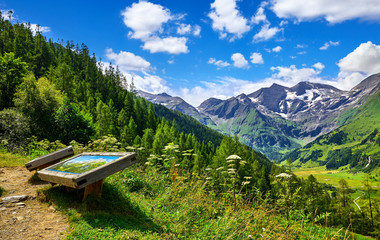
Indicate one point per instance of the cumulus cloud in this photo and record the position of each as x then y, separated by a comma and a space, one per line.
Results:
197, 30
259, 16
145, 19
128, 61
277, 49
266, 33
184, 29
358, 64
219, 63
147, 23
239, 61
292, 75
222, 88
150, 83
320, 66
173, 45
328, 44
227, 20
364, 59
8, 14
257, 58
35, 28
332, 11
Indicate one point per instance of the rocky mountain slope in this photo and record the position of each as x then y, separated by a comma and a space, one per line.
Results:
278, 119
176, 103
356, 143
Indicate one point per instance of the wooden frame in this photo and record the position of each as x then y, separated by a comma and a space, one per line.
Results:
87, 178
49, 159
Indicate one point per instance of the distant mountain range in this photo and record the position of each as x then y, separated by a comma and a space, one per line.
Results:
277, 119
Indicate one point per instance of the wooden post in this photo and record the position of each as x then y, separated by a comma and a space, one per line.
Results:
93, 189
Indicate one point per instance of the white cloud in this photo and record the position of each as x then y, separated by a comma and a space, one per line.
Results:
8, 14
360, 63
128, 61
320, 66
277, 49
218, 63
37, 28
145, 19
302, 53
197, 30
173, 45
259, 16
147, 22
266, 33
222, 88
257, 58
332, 11
328, 44
227, 20
364, 59
239, 61
292, 75
150, 83
301, 46
184, 29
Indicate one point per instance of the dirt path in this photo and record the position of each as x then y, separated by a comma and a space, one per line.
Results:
33, 220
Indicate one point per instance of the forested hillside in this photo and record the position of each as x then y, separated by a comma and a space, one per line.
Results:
63, 93
190, 179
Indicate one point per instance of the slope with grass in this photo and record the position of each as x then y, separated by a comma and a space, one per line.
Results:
357, 143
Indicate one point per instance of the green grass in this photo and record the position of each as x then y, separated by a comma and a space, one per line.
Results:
152, 207
332, 177
12, 160
2, 191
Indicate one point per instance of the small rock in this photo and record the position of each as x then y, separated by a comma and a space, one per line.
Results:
20, 218
20, 205
48, 228
52, 209
14, 213
3, 209
15, 199
2, 170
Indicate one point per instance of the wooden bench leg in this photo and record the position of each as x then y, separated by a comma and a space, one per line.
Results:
94, 189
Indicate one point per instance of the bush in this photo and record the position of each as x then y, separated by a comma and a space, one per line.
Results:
14, 129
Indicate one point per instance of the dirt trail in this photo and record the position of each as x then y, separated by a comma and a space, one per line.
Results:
34, 220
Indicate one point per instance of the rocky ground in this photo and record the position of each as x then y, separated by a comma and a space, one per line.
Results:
29, 218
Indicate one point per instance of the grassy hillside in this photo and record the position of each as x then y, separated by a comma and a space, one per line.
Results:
264, 134
145, 203
357, 143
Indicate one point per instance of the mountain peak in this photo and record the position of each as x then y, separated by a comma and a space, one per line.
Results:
163, 94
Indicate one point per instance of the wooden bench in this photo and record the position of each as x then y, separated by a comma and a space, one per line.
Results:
91, 180
49, 159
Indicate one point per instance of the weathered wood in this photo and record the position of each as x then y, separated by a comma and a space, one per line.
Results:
79, 181
49, 159
93, 189
14, 199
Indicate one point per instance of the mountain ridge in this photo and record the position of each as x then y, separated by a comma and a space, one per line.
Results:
278, 119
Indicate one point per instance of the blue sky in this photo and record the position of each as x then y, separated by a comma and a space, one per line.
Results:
219, 48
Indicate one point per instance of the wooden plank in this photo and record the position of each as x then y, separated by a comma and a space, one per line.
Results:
65, 179
93, 189
49, 159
